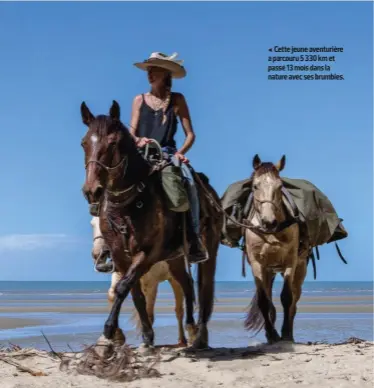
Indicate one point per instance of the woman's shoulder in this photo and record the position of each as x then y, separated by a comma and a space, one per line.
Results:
179, 97
138, 100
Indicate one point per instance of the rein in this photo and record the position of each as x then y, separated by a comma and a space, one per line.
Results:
107, 168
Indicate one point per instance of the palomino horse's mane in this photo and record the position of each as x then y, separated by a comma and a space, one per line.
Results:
265, 168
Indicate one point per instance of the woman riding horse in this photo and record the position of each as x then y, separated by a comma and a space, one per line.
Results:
155, 116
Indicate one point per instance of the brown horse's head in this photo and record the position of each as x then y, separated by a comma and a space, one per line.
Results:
106, 146
267, 191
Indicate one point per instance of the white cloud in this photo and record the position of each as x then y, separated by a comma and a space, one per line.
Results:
32, 242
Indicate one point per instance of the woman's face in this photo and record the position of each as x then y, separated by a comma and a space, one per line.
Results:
157, 76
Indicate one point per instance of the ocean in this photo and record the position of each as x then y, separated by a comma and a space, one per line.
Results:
72, 314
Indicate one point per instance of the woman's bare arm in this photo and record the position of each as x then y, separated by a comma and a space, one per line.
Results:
185, 118
135, 113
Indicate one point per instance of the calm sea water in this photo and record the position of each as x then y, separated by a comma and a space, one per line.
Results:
96, 290
226, 329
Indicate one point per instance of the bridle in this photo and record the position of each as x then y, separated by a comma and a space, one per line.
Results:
107, 168
267, 201
285, 224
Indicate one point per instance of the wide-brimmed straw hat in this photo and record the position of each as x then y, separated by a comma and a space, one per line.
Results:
169, 63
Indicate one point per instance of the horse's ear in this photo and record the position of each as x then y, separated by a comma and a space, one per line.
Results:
256, 163
280, 165
87, 116
115, 110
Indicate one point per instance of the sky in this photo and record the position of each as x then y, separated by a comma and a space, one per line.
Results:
56, 55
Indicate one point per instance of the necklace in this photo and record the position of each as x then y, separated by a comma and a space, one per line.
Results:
160, 104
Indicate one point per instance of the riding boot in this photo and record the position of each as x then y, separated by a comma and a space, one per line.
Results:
197, 251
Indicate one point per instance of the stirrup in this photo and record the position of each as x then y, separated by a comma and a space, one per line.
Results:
110, 267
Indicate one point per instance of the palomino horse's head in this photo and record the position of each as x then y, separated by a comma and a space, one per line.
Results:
106, 145
267, 191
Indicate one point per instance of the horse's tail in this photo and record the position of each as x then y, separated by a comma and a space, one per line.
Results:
254, 321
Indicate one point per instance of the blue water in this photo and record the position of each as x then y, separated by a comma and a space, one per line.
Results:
226, 329
96, 290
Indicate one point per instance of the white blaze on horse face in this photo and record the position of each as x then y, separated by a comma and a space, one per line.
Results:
266, 193
92, 167
94, 140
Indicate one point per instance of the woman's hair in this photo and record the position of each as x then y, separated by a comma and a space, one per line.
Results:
168, 81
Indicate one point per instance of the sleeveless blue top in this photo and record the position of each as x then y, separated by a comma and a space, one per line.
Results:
150, 123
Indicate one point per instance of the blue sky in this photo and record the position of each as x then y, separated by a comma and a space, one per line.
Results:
54, 55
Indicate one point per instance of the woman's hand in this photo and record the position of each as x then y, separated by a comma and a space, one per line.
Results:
142, 141
181, 157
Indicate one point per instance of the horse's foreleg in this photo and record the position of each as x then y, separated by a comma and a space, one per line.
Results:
269, 293
181, 276
145, 319
123, 287
179, 310
298, 281
206, 278
287, 300
116, 276
265, 304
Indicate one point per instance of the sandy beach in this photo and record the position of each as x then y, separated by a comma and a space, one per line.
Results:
262, 366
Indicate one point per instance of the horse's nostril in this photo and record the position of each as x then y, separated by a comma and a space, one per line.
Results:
98, 192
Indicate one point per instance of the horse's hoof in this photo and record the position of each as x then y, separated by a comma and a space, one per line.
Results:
287, 339
119, 338
145, 350
182, 343
192, 333
199, 344
103, 347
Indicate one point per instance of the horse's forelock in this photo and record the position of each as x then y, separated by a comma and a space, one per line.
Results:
104, 125
265, 168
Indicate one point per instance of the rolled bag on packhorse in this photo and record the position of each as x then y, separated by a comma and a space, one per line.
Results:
318, 220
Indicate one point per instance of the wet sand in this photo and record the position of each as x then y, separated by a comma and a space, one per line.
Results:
362, 304
13, 323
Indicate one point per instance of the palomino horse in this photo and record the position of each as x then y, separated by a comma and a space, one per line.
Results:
136, 223
272, 246
158, 273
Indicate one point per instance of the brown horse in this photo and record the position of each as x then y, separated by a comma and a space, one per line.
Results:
272, 246
136, 222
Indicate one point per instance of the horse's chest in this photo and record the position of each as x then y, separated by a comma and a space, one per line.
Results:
272, 253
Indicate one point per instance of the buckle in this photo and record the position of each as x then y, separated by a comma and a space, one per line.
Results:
141, 187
